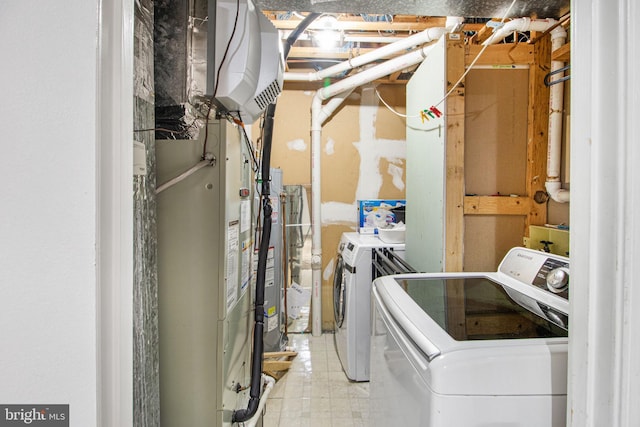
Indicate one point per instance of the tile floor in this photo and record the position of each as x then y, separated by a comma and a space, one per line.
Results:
315, 390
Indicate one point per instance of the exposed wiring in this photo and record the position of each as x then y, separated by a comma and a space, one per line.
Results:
215, 87
246, 139
391, 108
474, 59
157, 129
438, 128
452, 87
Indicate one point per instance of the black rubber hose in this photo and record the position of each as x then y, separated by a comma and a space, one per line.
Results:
242, 415
298, 30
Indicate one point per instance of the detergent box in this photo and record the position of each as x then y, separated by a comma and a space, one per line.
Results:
379, 213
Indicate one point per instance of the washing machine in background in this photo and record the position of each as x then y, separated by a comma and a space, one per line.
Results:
352, 300
472, 349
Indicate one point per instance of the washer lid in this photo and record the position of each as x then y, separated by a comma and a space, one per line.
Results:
479, 308
471, 337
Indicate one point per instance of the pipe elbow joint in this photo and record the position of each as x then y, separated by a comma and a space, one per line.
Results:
559, 33
556, 192
435, 33
453, 23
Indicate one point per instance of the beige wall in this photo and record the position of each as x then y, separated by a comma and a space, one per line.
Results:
363, 150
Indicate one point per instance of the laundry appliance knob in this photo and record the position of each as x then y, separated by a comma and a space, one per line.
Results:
558, 280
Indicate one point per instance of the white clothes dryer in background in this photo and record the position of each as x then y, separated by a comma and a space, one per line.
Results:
352, 300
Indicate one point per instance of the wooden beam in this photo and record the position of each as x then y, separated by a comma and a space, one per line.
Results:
563, 53
394, 76
496, 205
537, 132
454, 226
307, 52
482, 35
501, 54
472, 27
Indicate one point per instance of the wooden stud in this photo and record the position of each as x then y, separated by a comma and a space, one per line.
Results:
454, 205
537, 132
482, 35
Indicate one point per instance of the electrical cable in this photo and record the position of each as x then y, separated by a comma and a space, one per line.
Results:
215, 87
455, 85
474, 59
246, 139
391, 108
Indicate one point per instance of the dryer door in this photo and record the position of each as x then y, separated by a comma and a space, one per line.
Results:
338, 293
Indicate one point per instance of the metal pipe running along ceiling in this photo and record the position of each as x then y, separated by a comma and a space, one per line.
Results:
466, 8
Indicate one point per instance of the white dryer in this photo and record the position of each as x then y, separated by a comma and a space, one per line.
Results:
352, 300
472, 349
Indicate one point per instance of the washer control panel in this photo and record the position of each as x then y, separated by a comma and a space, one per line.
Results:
546, 271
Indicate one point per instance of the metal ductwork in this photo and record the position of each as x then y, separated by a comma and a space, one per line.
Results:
482, 9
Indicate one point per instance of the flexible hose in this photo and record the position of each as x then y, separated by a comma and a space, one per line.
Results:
242, 415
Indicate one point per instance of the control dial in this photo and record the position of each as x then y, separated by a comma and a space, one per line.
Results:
558, 280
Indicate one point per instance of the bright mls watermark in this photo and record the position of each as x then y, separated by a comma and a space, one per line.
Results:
34, 415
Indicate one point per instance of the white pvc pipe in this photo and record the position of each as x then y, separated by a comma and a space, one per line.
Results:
425, 36
373, 73
520, 25
319, 114
556, 104
556, 97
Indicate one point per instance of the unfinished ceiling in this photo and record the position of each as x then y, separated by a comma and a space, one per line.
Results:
365, 25
465, 8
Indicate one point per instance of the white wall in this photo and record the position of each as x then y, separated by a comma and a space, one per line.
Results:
49, 262
604, 352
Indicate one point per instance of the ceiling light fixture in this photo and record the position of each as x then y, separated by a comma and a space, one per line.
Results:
329, 35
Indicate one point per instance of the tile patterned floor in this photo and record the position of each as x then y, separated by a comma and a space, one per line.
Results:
315, 390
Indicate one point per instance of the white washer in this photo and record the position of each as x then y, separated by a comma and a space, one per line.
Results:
352, 300
472, 349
